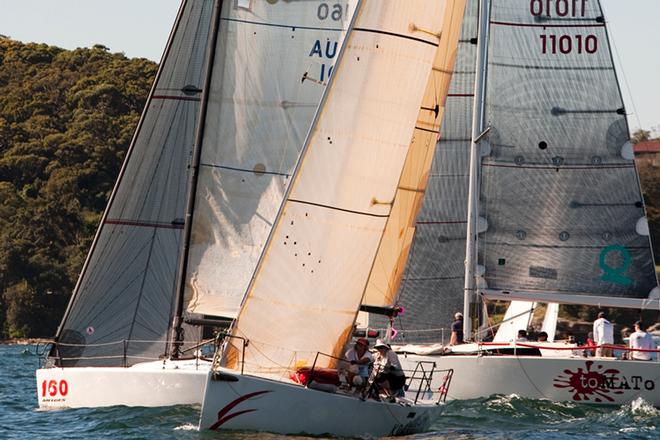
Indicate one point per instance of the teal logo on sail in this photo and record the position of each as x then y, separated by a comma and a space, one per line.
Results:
615, 274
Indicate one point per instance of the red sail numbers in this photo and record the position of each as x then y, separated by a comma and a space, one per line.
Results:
547, 10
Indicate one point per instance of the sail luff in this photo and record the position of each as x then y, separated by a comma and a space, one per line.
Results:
177, 319
308, 289
389, 265
121, 172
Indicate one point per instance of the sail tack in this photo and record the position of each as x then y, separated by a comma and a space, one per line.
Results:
272, 62
559, 188
126, 289
307, 290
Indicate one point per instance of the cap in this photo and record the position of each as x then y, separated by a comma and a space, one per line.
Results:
380, 344
362, 341
458, 315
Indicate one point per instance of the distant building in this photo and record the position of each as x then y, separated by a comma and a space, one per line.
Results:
648, 153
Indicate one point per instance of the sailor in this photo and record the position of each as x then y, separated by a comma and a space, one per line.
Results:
360, 358
457, 329
641, 340
522, 336
543, 337
390, 376
603, 335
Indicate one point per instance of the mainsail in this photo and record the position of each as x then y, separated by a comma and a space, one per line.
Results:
272, 62
559, 189
123, 302
314, 270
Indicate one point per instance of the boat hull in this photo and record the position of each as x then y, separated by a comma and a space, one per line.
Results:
148, 384
577, 379
243, 402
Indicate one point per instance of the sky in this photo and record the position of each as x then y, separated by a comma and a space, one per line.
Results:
139, 28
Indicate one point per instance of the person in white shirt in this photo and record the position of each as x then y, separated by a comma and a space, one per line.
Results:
390, 376
360, 358
603, 335
641, 340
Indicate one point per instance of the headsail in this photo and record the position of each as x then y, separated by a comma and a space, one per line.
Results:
431, 289
125, 291
308, 287
394, 248
559, 190
272, 62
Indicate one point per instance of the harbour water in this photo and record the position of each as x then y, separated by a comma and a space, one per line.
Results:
497, 417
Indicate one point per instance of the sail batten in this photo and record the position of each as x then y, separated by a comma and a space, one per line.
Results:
307, 291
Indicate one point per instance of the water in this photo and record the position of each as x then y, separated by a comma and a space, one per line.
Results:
497, 417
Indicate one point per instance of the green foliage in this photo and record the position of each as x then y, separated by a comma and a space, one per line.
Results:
66, 120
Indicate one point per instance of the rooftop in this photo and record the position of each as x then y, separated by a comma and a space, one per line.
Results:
648, 147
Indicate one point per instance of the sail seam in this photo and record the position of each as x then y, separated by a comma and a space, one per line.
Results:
145, 224
336, 208
506, 23
563, 167
394, 34
175, 98
244, 170
279, 25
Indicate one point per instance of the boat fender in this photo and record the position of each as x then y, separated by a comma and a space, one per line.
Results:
219, 376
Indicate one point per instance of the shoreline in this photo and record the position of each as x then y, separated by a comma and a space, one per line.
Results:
25, 341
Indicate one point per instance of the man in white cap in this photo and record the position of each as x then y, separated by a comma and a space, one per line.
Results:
457, 330
390, 376
603, 335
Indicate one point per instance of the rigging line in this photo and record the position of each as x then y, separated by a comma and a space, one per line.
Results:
625, 78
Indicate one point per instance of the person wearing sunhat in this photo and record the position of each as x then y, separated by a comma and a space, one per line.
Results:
390, 376
360, 358
457, 330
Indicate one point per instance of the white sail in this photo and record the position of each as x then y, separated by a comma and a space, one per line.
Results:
307, 290
271, 63
517, 317
550, 320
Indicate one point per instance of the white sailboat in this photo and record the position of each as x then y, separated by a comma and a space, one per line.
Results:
234, 98
555, 212
386, 90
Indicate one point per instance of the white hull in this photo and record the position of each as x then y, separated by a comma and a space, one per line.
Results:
147, 384
258, 404
577, 379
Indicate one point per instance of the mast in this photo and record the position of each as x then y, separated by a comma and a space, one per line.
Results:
478, 116
177, 321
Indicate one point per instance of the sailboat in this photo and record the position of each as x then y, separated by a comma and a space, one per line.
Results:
235, 95
378, 120
554, 213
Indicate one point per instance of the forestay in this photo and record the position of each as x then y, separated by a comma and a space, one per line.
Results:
126, 289
272, 62
559, 190
432, 286
307, 290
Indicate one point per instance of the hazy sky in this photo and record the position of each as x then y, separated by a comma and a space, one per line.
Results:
140, 28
